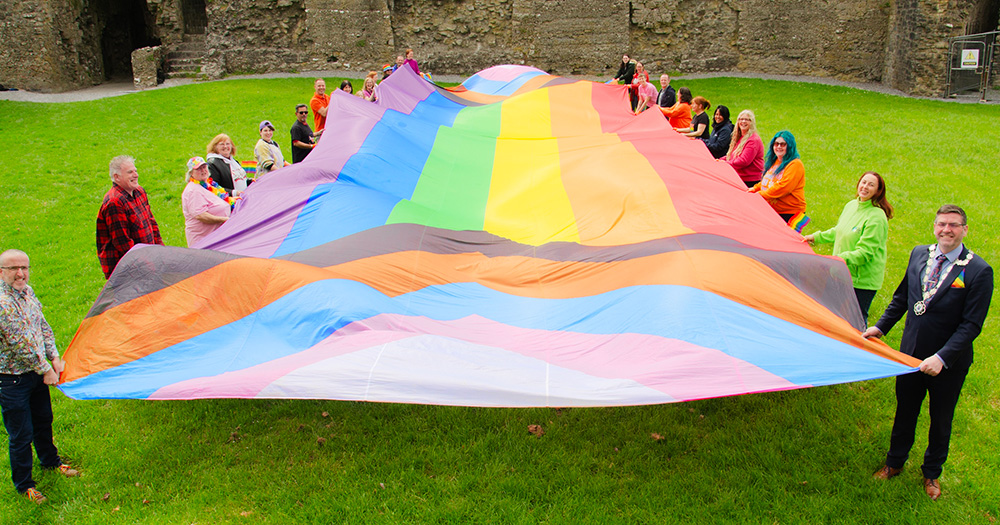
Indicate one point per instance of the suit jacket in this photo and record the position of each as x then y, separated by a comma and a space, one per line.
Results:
954, 316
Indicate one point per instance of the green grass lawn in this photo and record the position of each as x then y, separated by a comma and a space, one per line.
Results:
804, 456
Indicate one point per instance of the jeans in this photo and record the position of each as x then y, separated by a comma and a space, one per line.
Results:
27, 415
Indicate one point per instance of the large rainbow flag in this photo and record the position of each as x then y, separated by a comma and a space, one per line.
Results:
520, 240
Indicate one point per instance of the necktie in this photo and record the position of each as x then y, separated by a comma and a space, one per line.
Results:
935, 273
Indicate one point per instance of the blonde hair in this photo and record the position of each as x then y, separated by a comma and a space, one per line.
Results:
739, 138
214, 143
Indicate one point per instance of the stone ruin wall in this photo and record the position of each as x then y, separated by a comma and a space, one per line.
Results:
902, 43
843, 39
917, 51
43, 46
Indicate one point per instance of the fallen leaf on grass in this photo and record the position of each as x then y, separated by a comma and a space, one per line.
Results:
381, 485
146, 502
325, 414
320, 440
536, 430
116, 509
246, 513
106, 496
656, 436
137, 484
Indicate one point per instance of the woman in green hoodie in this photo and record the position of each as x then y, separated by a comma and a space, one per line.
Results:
860, 236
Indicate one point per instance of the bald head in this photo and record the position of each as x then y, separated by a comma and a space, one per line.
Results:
15, 269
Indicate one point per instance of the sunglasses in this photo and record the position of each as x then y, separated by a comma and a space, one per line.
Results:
302, 112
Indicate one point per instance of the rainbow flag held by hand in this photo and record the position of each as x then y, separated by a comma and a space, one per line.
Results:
250, 167
798, 221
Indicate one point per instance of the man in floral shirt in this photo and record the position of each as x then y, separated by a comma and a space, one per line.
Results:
26, 348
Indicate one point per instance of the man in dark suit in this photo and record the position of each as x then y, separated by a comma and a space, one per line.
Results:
945, 295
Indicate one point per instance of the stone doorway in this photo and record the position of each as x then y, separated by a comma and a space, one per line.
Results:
127, 26
195, 17
984, 17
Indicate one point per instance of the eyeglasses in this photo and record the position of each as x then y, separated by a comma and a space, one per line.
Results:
780, 145
16, 268
953, 225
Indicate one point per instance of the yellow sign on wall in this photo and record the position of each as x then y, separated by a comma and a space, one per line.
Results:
970, 59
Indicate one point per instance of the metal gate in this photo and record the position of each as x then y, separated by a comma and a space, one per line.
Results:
970, 64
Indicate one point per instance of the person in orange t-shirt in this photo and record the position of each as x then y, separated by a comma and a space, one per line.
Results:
319, 104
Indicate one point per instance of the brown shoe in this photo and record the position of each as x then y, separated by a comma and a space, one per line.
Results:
67, 471
34, 496
932, 488
887, 472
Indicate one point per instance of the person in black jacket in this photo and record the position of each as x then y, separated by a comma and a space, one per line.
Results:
626, 71
223, 166
945, 295
722, 133
667, 97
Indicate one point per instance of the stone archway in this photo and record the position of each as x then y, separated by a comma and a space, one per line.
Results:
984, 17
126, 25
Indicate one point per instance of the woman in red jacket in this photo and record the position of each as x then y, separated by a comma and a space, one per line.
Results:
746, 149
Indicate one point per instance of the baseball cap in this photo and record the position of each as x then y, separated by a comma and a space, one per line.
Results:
266, 123
195, 163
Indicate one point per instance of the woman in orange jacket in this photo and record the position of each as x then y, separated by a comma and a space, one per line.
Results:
680, 113
784, 183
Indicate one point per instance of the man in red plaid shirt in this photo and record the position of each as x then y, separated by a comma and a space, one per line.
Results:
125, 218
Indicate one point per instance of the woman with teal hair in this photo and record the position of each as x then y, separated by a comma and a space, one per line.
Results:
784, 183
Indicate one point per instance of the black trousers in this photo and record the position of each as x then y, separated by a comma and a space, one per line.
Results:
27, 415
911, 389
865, 298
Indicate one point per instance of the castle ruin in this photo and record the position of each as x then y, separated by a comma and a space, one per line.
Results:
59, 45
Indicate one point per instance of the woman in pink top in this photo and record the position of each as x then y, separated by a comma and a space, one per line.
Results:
746, 149
206, 205
412, 62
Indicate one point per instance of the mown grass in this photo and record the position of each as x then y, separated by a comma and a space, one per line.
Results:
787, 457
